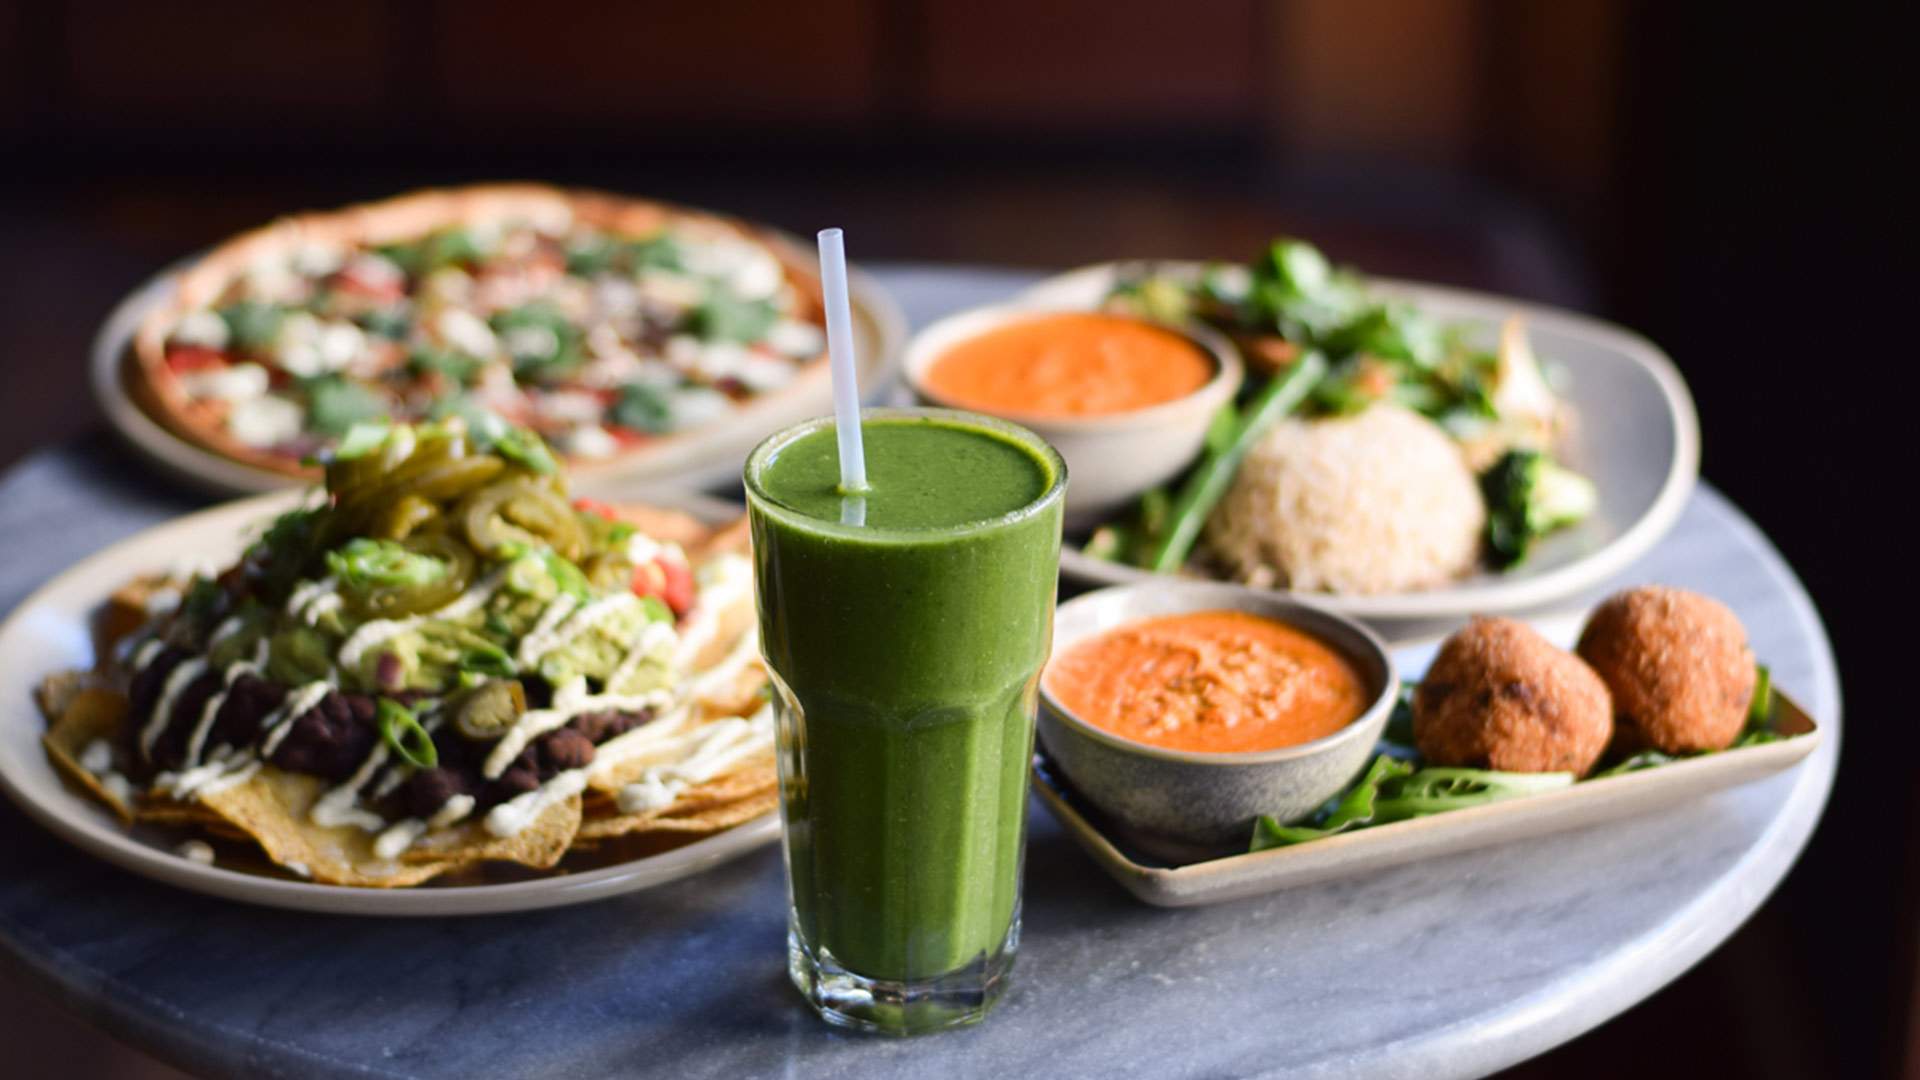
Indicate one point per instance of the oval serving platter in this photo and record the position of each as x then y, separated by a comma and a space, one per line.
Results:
1364, 851
1635, 434
707, 457
51, 631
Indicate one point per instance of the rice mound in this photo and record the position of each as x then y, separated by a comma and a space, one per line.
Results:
1378, 502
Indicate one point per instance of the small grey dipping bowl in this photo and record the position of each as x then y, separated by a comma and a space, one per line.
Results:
1183, 805
1113, 457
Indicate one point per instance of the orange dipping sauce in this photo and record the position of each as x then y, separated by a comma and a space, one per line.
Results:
1069, 365
1209, 681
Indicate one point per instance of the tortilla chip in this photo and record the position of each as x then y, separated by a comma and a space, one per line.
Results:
736, 619
126, 610
605, 778
272, 808
539, 845
714, 819
89, 714
735, 539
155, 809
720, 803
56, 692
739, 697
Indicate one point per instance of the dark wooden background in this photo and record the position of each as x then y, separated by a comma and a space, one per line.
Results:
1719, 178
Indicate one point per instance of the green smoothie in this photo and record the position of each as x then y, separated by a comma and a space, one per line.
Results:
905, 631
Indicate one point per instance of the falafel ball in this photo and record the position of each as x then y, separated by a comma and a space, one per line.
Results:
1678, 665
1500, 696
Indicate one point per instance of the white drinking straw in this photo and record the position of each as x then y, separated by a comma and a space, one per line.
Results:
846, 384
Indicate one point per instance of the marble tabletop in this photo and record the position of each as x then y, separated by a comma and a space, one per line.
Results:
1454, 967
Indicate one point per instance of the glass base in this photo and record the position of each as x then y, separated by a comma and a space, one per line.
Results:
889, 1007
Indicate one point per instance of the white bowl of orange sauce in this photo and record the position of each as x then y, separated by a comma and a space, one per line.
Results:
1126, 401
1183, 711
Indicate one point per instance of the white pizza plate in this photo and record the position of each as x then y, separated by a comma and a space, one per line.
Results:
707, 457
51, 631
1635, 434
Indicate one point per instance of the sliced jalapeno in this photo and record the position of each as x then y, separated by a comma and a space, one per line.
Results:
520, 511
490, 709
415, 589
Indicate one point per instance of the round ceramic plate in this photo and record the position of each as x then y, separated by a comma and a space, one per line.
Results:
704, 458
1635, 434
51, 632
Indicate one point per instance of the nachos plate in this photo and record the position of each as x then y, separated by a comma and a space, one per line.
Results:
691, 784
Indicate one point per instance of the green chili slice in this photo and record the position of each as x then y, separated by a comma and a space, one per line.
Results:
365, 564
520, 510
402, 733
390, 586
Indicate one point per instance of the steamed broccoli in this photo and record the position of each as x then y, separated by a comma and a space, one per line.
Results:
1529, 495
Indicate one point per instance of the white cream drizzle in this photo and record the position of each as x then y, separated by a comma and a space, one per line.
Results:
711, 750
146, 652
536, 642
395, 839
584, 620
340, 805
196, 851
389, 780
118, 786
280, 721
228, 627
453, 811
215, 776
177, 679
514, 815
569, 701
656, 638
197, 742
701, 688
97, 758
369, 635
398, 837
312, 599
632, 743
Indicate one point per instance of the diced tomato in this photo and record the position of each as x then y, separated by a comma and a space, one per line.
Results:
385, 290
184, 358
668, 579
596, 508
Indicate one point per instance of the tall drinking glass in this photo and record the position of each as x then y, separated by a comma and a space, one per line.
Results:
905, 629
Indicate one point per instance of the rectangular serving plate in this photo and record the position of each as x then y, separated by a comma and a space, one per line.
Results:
1590, 802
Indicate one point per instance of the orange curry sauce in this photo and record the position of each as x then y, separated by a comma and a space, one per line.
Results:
1211, 681
1069, 365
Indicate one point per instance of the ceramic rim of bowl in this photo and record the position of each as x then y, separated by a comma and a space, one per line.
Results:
936, 339
1219, 596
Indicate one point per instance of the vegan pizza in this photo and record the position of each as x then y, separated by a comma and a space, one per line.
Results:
605, 324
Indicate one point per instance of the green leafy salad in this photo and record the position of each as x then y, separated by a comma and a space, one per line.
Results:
1321, 344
